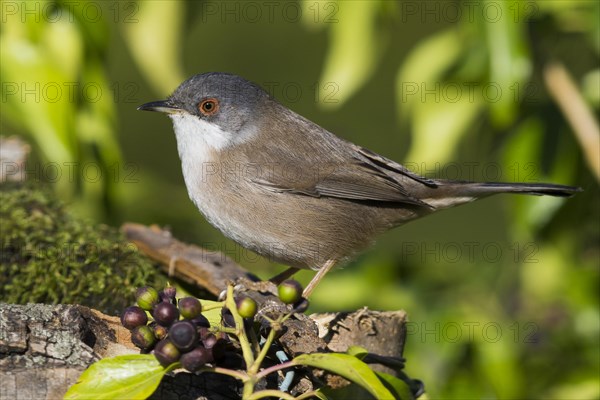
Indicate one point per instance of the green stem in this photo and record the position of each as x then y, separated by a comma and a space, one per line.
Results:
254, 342
253, 370
226, 329
307, 395
248, 390
211, 306
239, 327
238, 375
243, 339
274, 368
270, 393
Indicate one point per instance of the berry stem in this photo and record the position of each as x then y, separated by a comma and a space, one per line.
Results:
208, 307
239, 327
274, 368
230, 372
253, 370
256, 346
270, 393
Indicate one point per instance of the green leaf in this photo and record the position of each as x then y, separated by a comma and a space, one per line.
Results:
425, 66
214, 315
131, 376
348, 367
510, 66
438, 126
157, 51
355, 50
396, 385
357, 351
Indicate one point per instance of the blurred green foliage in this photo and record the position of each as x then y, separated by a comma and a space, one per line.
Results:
55, 88
502, 294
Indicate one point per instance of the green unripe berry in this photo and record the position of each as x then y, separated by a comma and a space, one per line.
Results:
166, 353
143, 337
147, 297
190, 307
290, 291
246, 307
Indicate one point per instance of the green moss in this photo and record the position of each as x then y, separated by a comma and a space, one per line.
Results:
49, 256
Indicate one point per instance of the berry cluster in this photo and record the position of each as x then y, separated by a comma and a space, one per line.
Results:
188, 340
180, 333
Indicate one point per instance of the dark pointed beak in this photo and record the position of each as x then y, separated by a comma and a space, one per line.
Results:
161, 106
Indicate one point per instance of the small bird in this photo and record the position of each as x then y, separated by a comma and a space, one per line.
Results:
288, 189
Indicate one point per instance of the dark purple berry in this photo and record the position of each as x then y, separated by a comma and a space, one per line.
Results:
166, 353
209, 341
168, 294
183, 335
165, 313
147, 297
246, 307
190, 307
143, 337
301, 305
202, 332
133, 317
200, 321
196, 359
219, 348
290, 291
227, 318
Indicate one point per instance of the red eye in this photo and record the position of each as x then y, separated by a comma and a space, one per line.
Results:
209, 106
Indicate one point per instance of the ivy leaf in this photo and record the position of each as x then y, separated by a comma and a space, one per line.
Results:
214, 314
357, 351
396, 385
131, 376
348, 367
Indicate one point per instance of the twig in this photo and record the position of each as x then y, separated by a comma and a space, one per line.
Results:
566, 94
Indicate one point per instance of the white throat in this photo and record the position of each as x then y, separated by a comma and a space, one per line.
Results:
192, 133
199, 143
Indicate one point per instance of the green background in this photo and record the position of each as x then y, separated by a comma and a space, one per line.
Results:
502, 295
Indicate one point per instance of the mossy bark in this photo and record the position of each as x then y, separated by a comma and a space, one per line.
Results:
49, 256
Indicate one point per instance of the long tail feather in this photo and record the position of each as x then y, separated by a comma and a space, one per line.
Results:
539, 189
453, 193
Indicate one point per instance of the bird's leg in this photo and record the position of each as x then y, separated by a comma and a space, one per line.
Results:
317, 278
277, 279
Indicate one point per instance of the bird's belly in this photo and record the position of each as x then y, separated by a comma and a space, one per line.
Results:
296, 230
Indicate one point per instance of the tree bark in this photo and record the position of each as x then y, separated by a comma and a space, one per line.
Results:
44, 348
